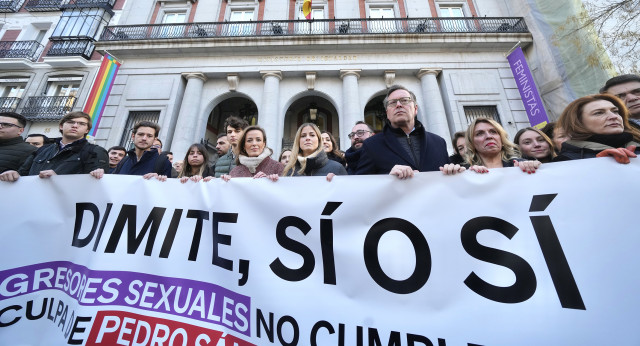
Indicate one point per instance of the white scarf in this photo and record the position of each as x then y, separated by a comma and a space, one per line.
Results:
303, 159
252, 162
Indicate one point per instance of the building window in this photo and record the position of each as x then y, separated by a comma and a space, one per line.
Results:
379, 25
40, 36
60, 98
451, 11
64, 91
168, 30
381, 12
474, 112
241, 29
454, 25
11, 95
174, 18
63, 87
318, 11
241, 15
81, 23
134, 118
13, 90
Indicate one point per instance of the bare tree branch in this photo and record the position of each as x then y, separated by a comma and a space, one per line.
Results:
616, 23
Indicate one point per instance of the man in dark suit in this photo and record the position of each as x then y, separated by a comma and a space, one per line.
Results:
404, 146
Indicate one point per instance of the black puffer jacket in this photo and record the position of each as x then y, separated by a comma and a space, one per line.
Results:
14, 152
318, 165
78, 157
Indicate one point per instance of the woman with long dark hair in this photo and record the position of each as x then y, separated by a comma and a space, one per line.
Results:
332, 149
196, 164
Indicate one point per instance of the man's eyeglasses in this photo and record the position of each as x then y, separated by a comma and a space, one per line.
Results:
79, 123
403, 101
3, 125
358, 133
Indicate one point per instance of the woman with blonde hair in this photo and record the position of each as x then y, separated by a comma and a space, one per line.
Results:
598, 126
195, 165
535, 145
253, 157
308, 156
489, 147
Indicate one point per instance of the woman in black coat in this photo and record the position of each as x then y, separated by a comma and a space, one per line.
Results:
308, 156
598, 126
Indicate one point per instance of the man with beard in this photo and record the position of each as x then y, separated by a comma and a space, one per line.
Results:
70, 154
143, 159
359, 133
222, 145
404, 146
627, 88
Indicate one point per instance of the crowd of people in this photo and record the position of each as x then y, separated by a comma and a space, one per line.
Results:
602, 125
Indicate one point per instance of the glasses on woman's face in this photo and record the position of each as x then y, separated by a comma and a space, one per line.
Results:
358, 133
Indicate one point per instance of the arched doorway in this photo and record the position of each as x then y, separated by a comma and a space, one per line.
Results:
375, 113
238, 106
310, 109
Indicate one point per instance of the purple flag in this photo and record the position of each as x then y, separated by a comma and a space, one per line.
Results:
527, 87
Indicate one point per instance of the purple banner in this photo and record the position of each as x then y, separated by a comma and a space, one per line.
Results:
527, 87
182, 297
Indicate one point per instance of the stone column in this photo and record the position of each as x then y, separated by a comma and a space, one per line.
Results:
190, 125
350, 105
434, 113
268, 116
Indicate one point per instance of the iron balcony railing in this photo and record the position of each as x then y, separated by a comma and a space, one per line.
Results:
79, 47
315, 27
30, 50
47, 107
43, 5
9, 104
10, 5
108, 4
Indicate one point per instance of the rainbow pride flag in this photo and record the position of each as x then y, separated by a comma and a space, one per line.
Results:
100, 91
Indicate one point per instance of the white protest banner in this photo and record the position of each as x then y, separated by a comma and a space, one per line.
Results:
503, 258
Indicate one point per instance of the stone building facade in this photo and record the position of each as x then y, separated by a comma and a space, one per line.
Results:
189, 64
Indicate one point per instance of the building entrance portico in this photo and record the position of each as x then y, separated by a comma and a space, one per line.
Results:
313, 108
240, 106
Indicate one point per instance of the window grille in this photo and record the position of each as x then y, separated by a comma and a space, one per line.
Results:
474, 112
